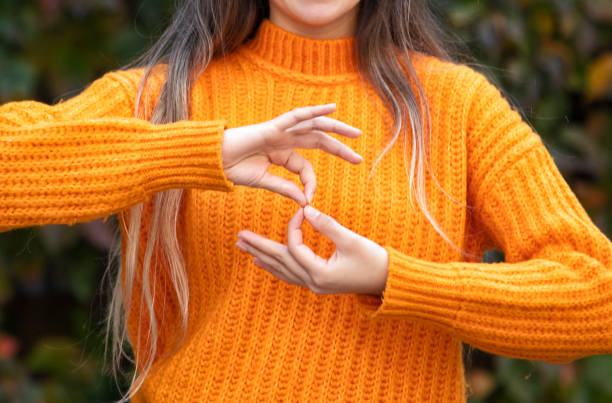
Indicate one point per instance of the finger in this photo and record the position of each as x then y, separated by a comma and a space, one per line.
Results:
297, 115
300, 252
273, 250
341, 236
276, 268
268, 246
282, 186
272, 270
294, 228
269, 263
328, 144
326, 124
297, 164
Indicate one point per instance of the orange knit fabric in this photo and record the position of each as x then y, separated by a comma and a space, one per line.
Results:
254, 337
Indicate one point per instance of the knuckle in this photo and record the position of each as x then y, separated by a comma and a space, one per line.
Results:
291, 249
308, 165
288, 158
276, 157
287, 188
326, 221
298, 112
277, 267
313, 124
269, 264
280, 255
270, 129
275, 130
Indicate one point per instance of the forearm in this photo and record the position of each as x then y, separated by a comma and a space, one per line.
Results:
537, 309
67, 172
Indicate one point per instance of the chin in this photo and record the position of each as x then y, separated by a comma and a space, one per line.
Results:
315, 12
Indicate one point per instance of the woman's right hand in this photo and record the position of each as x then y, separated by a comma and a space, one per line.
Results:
248, 151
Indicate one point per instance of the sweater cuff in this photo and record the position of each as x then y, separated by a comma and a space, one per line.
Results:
416, 289
185, 154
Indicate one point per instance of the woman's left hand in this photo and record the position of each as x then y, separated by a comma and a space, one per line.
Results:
358, 265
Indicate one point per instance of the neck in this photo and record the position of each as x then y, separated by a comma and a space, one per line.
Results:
275, 46
341, 27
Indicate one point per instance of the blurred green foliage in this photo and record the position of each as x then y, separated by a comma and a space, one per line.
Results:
552, 57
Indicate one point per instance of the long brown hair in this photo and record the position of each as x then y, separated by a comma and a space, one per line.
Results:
205, 29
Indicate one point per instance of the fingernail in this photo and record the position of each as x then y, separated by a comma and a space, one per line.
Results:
241, 246
311, 213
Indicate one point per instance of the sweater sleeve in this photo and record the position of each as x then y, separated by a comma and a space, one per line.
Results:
88, 157
551, 300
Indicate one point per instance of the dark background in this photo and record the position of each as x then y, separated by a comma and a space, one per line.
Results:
553, 59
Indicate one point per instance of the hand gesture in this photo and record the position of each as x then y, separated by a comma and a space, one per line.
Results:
358, 264
248, 151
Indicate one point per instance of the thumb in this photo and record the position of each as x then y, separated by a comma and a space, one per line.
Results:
329, 227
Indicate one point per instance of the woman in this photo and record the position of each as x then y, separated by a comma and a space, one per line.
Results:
268, 318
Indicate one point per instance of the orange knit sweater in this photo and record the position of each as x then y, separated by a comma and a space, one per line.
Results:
254, 337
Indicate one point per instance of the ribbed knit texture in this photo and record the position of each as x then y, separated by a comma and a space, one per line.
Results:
253, 337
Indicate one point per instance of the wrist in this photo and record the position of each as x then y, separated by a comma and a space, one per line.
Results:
381, 270
230, 149
238, 143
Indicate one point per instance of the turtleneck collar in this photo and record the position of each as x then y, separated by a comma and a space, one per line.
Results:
289, 51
